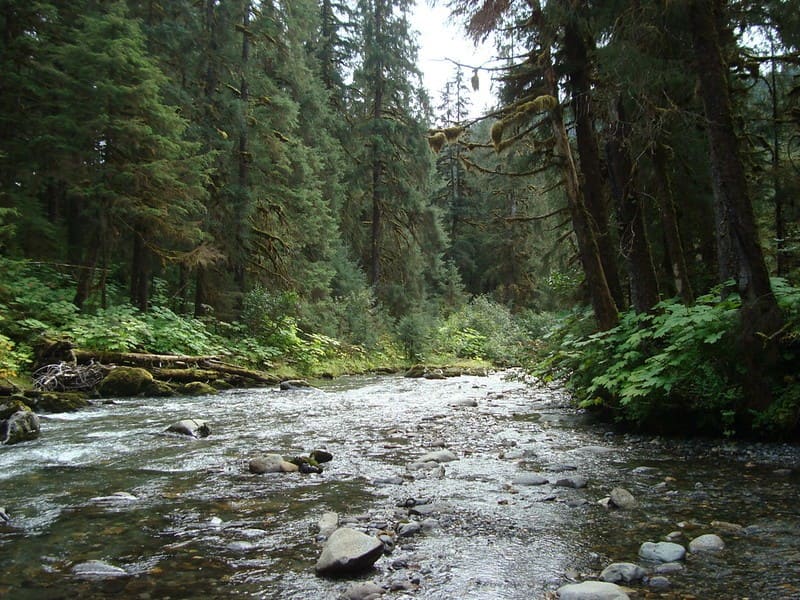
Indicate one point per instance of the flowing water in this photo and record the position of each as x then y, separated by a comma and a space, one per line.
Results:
194, 523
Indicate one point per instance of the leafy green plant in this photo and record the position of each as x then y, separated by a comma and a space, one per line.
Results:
676, 368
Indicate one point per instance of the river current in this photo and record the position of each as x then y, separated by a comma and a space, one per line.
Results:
184, 518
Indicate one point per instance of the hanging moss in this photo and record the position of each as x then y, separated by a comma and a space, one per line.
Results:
497, 134
453, 133
437, 141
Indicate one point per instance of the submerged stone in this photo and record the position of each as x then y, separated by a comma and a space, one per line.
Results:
97, 569
22, 426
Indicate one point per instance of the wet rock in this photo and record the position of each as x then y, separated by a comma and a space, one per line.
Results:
622, 499
643, 470
21, 426
321, 456
706, 543
592, 590
561, 468
658, 582
272, 463
424, 510
294, 384
662, 551
596, 450
4, 516
726, 527
576, 481
125, 381
97, 569
408, 529
327, 524
622, 572
667, 568
438, 456
190, 427
366, 590
435, 374
115, 499
466, 402
529, 479
348, 551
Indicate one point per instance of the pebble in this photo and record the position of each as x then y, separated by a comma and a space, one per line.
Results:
576, 481
367, 590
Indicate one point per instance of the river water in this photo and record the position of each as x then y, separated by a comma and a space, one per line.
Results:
194, 523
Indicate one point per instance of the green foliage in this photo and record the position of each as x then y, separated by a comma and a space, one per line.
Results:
676, 369
413, 334
483, 329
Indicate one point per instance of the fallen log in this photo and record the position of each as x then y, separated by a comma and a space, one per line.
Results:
258, 376
138, 359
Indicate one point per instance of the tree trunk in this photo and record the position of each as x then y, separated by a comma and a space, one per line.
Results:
761, 316
140, 274
605, 309
377, 159
589, 156
669, 221
630, 216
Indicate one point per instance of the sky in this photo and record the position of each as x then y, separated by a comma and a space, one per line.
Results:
440, 40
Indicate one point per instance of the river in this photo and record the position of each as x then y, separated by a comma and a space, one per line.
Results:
193, 522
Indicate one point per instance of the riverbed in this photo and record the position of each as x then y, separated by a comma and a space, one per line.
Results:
178, 517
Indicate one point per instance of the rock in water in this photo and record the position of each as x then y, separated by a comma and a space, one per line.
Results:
348, 551
272, 463
438, 456
592, 590
190, 427
21, 426
665, 552
706, 543
622, 572
327, 524
97, 569
294, 384
367, 590
622, 499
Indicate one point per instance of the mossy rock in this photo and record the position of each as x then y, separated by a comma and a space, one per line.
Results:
58, 402
159, 389
11, 405
198, 388
221, 385
125, 381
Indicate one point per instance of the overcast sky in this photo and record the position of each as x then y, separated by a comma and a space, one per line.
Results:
439, 40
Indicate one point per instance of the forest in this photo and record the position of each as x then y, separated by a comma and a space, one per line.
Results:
270, 181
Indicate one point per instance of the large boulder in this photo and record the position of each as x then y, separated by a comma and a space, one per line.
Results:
21, 426
191, 427
125, 381
11, 405
348, 551
592, 590
59, 402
